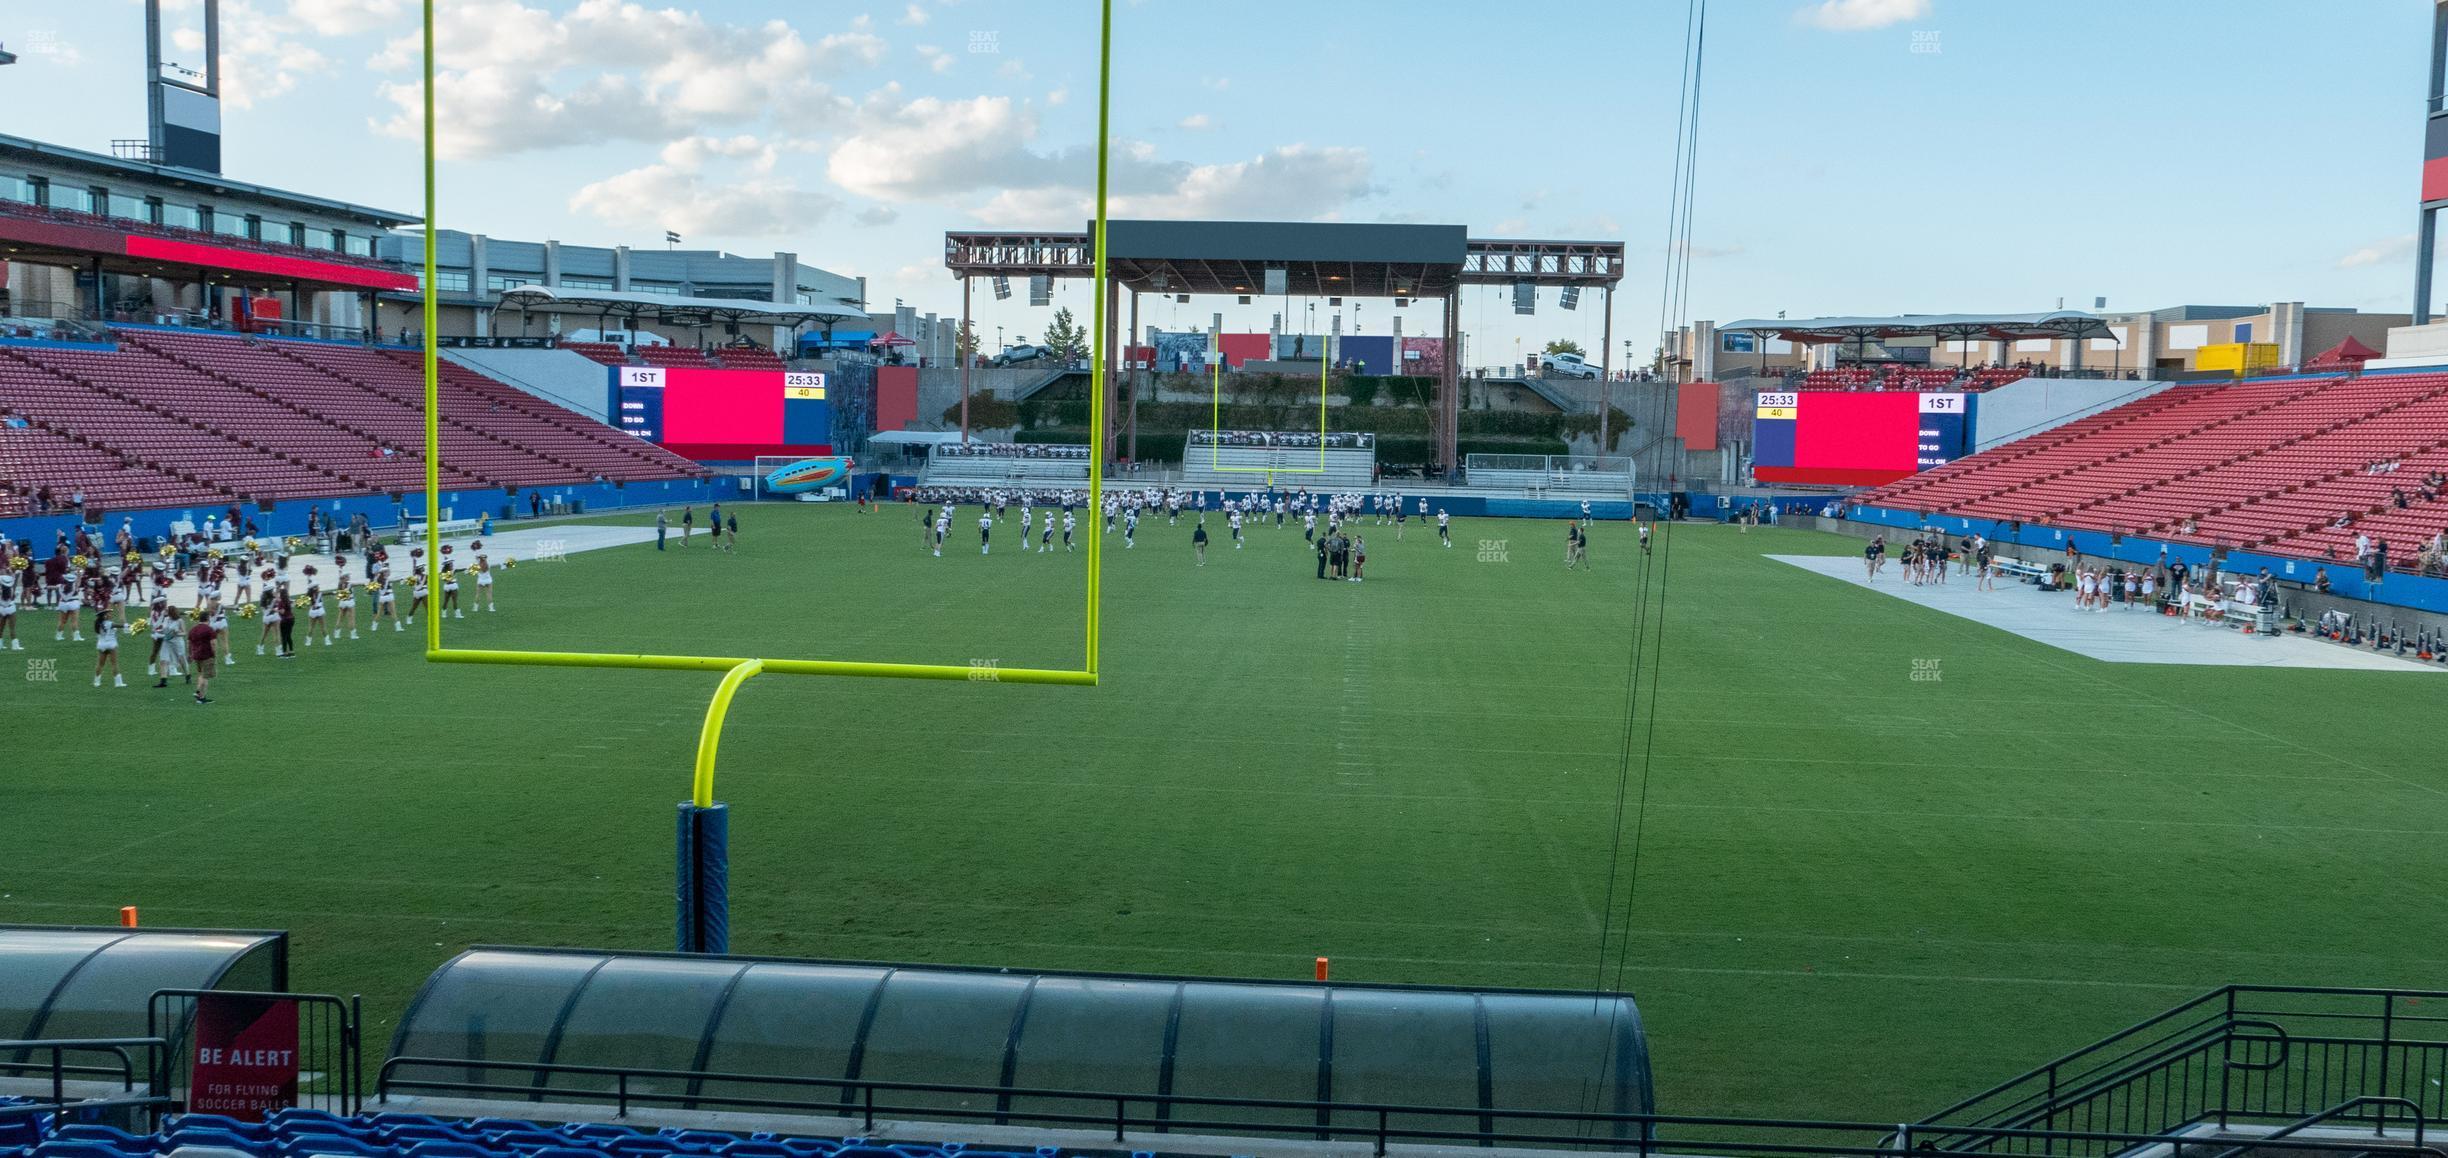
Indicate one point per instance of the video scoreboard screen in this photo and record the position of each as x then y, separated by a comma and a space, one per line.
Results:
1856, 438
724, 415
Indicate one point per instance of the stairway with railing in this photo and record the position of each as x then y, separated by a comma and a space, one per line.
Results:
2249, 1063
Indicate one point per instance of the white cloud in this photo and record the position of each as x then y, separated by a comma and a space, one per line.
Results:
1196, 122
1058, 96
348, 17
708, 186
1860, 15
2385, 252
913, 15
931, 146
954, 151
935, 57
517, 78
259, 60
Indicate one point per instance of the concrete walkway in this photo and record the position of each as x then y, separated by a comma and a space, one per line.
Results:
2117, 635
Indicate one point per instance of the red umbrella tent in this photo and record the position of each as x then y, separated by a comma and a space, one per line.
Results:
893, 338
2347, 355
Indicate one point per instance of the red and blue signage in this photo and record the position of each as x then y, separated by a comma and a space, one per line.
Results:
724, 415
1856, 438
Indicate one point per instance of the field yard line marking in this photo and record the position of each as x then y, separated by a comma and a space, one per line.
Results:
1950, 622
2061, 819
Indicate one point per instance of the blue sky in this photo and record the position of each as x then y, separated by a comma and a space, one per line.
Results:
1857, 156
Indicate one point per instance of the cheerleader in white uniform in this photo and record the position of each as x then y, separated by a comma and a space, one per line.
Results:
315, 623
344, 598
106, 648
267, 605
484, 575
71, 604
8, 604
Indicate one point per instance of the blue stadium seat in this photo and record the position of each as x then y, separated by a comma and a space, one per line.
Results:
700, 1139
185, 1135
525, 1140
257, 1131
564, 1152
436, 1149
111, 1136
755, 1149
599, 1132
75, 1150
647, 1146
303, 1143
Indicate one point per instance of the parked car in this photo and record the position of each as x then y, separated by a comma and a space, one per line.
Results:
1014, 355
1566, 366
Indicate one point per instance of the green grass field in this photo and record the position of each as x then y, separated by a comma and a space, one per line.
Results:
1859, 895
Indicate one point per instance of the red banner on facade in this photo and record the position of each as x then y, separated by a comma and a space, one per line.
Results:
246, 1056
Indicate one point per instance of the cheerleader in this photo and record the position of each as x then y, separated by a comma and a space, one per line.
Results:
345, 597
450, 592
10, 584
484, 574
71, 604
418, 580
216, 617
168, 642
386, 603
246, 581
106, 648
267, 604
314, 609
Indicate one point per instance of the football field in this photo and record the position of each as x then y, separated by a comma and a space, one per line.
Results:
1885, 856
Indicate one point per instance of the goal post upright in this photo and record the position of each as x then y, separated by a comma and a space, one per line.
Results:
702, 852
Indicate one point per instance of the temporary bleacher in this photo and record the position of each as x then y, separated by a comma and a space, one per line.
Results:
1549, 476
1002, 464
174, 417
1242, 467
2269, 464
605, 352
1924, 378
1841, 378
684, 357
749, 358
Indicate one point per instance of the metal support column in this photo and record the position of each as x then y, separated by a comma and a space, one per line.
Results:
1130, 380
968, 357
1606, 368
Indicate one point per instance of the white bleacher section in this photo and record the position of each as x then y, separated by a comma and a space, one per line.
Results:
1341, 469
557, 376
1002, 470
1549, 476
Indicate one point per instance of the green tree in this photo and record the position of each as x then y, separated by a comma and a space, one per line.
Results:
967, 341
1064, 336
1567, 346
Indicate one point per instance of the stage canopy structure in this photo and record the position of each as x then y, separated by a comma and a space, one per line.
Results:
1254, 259
1860, 332
632, 307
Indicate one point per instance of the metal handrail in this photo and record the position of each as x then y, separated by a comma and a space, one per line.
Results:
2301, 1124
1326, 1120
2222, 1012
155, 1050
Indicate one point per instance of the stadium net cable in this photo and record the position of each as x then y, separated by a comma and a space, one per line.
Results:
1647, 650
